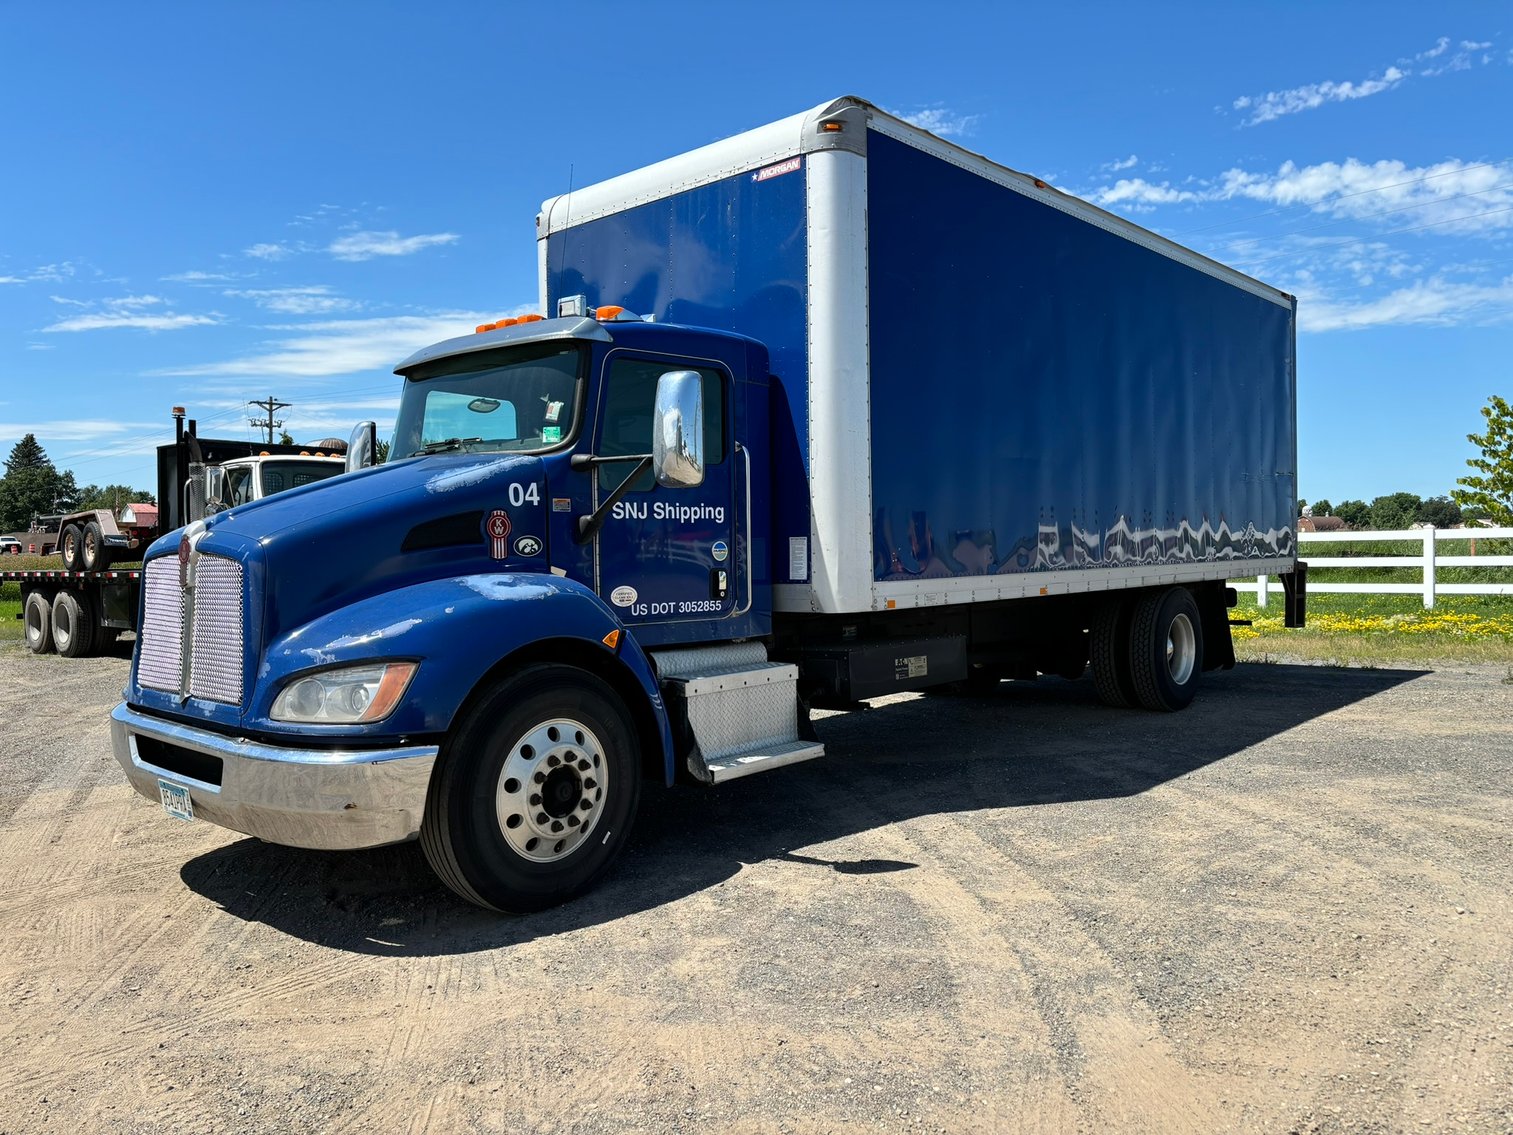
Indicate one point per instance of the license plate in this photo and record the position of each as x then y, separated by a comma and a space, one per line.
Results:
176, 800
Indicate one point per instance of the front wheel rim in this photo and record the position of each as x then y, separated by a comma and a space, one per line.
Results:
552, 790
1181, 650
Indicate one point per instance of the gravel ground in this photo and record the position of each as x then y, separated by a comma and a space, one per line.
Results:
1286, 909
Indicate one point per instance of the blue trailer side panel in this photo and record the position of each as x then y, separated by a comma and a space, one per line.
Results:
1048, 395
730, 256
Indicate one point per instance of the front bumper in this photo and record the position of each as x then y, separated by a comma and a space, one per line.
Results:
318, 798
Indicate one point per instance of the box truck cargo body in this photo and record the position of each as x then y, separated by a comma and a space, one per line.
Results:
827, 410
988, 388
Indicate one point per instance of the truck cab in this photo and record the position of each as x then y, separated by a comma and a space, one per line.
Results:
491, 619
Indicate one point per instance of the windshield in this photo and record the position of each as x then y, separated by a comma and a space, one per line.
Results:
280, 475
519, 401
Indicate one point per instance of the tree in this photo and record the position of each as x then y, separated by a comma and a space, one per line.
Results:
1490, 489
380, 451
32, 485
1323, 508
112, 497
1356, 514
1395, 511
285, 438
1441, 512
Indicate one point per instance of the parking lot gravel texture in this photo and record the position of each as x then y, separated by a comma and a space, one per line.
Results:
1285, 909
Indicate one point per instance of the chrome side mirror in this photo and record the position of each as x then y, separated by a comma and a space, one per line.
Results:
362, 446
215, 489
677, 440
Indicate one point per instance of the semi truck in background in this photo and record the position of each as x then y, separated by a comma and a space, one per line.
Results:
825, 411
80, 609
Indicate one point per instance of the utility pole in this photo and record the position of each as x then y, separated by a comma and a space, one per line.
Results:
270, 404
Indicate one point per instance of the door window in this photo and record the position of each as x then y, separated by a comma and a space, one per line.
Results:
628, 402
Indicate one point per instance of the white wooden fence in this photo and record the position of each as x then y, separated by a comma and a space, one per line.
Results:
1428, 563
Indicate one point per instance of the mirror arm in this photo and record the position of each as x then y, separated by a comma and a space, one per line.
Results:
588, 526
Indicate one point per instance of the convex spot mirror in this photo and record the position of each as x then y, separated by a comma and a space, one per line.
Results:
677, 442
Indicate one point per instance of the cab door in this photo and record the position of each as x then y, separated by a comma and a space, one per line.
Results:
665, 555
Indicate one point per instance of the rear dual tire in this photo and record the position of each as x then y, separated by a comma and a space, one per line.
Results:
38, 619
1148, 650
73, 625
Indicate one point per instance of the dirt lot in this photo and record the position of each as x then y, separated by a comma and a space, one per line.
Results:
1286, 909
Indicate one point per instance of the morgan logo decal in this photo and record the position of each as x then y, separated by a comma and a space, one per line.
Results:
792, 165
527, 546
498, 528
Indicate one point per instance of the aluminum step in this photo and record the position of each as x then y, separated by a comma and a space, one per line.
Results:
762, 759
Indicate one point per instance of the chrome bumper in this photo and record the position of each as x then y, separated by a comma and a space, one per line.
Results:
318, 798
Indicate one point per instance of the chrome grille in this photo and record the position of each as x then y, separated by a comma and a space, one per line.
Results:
215, 667
160, 663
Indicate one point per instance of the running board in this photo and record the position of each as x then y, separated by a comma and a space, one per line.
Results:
735, 712
768, 757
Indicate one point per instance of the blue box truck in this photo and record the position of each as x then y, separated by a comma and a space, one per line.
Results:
828, 410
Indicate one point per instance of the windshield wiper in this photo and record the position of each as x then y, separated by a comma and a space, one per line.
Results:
443, 446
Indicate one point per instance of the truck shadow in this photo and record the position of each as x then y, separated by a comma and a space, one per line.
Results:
1029, 745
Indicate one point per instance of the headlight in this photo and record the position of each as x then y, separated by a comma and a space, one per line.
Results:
349, 696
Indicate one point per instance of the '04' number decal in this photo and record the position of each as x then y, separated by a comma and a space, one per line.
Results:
524, 494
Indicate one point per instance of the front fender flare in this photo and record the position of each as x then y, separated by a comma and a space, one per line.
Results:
458, 629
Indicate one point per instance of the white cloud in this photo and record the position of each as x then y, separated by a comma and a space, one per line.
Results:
132, 302
939, 120
1276, 104
1455, 196
69, 302
11, 280
366, 245
198, 278
109, 320
1123, 164
269, 252
1136, 191
313, 300
1435, 302
74, 429
341, 347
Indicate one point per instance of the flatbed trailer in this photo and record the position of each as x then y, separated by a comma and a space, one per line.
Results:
76, 613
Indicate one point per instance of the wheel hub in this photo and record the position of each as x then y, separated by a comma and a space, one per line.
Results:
1181, 649
551, 790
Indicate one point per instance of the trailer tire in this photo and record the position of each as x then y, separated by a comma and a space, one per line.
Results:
1109, 654
535, 791
95, 555
73, 625
38, 617
70, 545
1166, 649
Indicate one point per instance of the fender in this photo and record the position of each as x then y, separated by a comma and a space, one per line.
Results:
457, 629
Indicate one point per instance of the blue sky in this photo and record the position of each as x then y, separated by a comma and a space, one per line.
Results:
206, 204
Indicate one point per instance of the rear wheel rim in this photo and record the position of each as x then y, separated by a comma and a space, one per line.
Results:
552, 790
1181, 650
36, 622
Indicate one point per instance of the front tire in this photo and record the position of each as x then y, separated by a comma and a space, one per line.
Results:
534, 794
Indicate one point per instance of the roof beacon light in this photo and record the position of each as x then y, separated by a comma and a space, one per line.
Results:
613, 313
